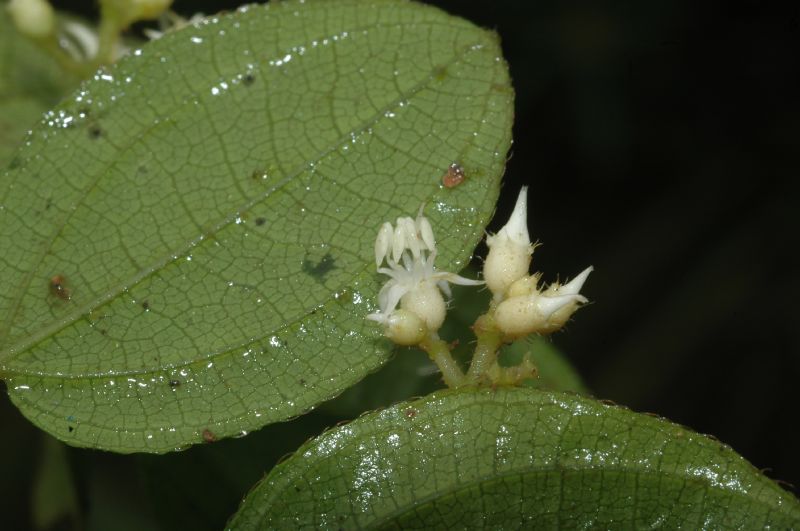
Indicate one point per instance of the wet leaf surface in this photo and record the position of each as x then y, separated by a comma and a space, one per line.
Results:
208, 207
515, 458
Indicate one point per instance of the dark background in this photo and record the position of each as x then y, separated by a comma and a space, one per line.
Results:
660, 142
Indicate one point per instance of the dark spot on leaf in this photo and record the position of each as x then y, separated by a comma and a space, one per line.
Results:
15, 163
142, 168
321, 268
70, 429
248, 79
260, 221
58, 288
103, 331
146, 306
410, 413
297, 489
48, 204
95, 131
208, 436
302, 381
453, 176
174, 383
440, 72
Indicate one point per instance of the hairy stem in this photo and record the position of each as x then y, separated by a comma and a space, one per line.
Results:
489, 341
439, 352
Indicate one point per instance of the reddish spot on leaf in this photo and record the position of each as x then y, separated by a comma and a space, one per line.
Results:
208, 436
410, 413
453, 176
58, 288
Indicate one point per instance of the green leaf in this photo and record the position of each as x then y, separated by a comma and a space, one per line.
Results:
54, 501
515, 458
188, 239
30, 83
555, 371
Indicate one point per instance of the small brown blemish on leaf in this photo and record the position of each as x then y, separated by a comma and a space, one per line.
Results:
146, 306
58, 288
174, 383
70, 429
301, 381
453, 176
208, 436
248, 78
410, 413
260, 221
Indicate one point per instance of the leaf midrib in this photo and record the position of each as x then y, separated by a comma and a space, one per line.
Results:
14, 350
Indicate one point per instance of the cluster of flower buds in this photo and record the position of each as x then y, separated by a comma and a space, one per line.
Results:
412, 306
521, 308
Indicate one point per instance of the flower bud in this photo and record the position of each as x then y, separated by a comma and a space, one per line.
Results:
525, 286
519, 316
427, 303
571, 288
33, 18
405, 328
510, 250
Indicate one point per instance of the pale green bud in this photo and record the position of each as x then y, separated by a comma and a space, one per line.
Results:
33, 18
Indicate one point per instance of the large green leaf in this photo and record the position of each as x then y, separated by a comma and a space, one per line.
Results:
210, 205
515, 458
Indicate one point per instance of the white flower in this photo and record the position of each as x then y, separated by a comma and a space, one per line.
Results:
510, 250
409, 250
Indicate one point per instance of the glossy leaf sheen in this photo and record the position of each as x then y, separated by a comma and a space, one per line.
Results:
211, 202
515, 458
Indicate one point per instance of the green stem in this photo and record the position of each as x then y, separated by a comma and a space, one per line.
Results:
489, 341
108, 34
439, 352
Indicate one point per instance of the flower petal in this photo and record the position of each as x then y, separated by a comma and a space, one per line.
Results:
383, 242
